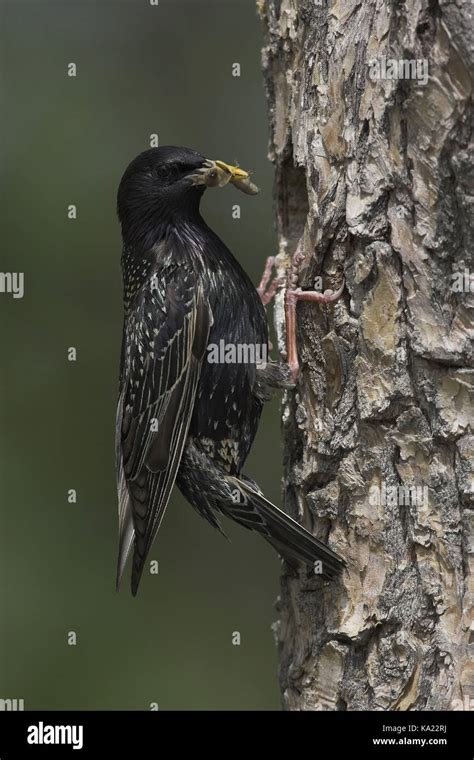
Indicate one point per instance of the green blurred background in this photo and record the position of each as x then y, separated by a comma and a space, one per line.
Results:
140, 70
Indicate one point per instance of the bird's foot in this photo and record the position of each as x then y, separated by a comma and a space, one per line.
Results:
291, 299
293, 294
267, 289
273, 376
268, 285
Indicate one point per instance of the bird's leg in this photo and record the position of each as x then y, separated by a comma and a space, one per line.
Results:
293, 294
266, 293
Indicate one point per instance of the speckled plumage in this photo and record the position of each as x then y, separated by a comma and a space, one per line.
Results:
181, 418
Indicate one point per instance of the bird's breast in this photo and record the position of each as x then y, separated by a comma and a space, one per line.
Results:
227, 411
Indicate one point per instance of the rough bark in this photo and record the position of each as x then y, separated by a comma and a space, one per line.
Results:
376, 177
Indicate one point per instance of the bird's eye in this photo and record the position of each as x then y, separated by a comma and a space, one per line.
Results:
212, 174
165, 173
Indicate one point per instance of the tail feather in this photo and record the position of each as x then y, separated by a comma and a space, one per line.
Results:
289, 538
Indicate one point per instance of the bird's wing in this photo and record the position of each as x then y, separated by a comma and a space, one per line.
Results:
165, 339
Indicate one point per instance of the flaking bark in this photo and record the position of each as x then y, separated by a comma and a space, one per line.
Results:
376, 178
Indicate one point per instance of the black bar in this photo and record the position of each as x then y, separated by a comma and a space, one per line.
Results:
304, 734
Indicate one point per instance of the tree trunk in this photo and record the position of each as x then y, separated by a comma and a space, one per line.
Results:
372, 173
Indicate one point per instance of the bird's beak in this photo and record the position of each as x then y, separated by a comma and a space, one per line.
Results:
218, 174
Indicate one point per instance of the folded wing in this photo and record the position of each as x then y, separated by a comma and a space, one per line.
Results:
164, 345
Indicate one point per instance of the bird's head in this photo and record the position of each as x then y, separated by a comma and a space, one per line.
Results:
164, 185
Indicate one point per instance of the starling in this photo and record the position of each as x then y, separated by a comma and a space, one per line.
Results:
182, 417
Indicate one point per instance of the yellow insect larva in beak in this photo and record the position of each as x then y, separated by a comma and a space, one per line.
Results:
246, 185
219, 174
238, 177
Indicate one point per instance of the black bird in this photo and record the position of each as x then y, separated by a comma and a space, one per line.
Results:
181, 417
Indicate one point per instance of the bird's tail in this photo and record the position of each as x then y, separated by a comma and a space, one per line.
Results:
289, 538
